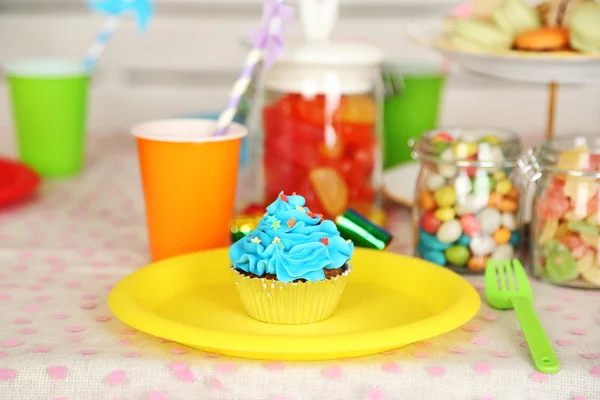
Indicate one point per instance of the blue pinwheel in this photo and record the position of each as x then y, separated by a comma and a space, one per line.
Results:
115, 10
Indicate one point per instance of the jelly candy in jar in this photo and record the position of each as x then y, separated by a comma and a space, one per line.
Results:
331, 189
322, 147
568, 230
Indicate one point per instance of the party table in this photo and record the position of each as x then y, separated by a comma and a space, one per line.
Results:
62, 252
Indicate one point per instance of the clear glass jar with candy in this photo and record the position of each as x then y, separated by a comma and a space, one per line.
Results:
467, 208
320, 125
565, 238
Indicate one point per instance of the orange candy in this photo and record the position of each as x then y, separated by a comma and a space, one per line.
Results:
477, 263
513, 194
494, 200
331, 189
426, 200
508, 205
334, 151
359, 110
501, 236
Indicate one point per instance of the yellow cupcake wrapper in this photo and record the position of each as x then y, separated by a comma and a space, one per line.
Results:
288, 303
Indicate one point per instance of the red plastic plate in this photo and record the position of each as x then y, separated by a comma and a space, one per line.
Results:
17, 182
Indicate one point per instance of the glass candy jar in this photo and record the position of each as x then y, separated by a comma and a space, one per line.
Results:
467, 207
565, 238
320, 123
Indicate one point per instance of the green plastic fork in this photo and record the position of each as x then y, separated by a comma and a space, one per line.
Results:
507, 287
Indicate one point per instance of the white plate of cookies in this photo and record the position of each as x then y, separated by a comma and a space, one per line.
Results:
554, 41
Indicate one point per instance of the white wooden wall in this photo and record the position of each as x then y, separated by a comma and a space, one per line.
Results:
188, 59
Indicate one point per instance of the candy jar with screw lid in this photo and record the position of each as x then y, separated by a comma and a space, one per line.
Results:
320, 111
565, 239
467, 208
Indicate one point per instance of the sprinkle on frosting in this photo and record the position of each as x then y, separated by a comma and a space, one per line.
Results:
300, 248
283, 197
275, 223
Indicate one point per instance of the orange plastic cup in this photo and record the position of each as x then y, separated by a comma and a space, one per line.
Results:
189, 179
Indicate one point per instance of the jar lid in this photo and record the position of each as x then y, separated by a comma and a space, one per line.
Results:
348, 52
476, 146
323, 66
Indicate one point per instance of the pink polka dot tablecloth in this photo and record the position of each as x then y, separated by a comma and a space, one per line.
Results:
61, 253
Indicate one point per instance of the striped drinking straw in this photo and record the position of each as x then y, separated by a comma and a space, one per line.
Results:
115, 9
268, 44
106, 33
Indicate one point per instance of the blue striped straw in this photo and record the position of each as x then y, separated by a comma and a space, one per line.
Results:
97, 48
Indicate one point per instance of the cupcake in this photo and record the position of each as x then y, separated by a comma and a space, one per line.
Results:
294, 267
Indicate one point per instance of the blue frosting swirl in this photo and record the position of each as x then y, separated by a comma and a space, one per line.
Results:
291, 242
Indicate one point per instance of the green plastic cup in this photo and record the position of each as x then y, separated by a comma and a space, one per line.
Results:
412, 105
49, 101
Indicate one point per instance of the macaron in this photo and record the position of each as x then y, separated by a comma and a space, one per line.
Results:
584, 24
543, 39
516, 16
475, 35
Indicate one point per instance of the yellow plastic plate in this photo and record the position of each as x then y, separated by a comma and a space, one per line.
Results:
390, 301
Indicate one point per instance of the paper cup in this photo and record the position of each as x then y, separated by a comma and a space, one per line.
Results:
412, 111
189, 179
49, 101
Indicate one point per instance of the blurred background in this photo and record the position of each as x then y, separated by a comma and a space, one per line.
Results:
186, 62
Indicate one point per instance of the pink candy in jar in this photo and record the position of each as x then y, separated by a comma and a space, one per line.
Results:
566, 219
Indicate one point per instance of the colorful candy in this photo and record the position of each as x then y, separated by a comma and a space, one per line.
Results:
445, 196
508, 205
457, 255
426, 200
449, 232
464, 240
504, 187
445, 214
431, 242
490, 220
509, 221
471, 204
501, 236
326, 154
560, 263
434, 181
482, 245
470, 225
448, 169
592, 273
331, 189
463, 185
567, 222
430, 223
477, 263
470, 209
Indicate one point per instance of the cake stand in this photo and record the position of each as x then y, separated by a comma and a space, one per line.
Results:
552, 69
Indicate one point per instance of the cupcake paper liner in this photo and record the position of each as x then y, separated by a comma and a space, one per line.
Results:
275, 302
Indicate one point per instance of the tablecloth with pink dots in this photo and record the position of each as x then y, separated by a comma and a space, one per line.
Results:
62, 252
